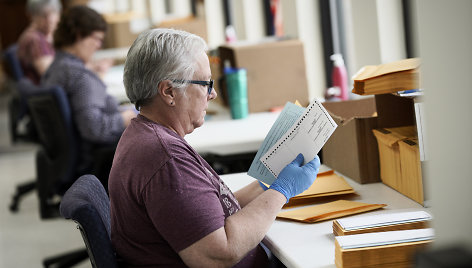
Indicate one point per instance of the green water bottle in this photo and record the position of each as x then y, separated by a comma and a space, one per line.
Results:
236, 84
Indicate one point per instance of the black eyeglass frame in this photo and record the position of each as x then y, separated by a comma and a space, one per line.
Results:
209, 84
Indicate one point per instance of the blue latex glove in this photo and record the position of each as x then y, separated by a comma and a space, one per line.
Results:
264, 187
295, 178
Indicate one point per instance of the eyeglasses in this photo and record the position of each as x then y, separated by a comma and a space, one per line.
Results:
209, 84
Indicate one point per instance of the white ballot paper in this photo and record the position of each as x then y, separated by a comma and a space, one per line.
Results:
384, 238
287, 118
306, 136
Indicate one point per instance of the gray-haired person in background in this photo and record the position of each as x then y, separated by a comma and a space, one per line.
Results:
35, 50
168, 206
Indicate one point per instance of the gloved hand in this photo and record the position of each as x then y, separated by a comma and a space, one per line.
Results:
295, 178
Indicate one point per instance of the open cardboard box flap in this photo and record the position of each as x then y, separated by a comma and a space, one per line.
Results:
352, 149
349, 110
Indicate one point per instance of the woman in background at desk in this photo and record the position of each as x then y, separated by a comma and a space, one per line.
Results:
35, 50
168, 206
97, 115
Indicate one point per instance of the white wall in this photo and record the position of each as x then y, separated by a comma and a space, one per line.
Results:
215, 22
249, 19
180, 8
445, 47
377, 34
304, 22
391, 30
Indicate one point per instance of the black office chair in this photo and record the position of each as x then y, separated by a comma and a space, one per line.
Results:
13, 63
18, 110
87, 203
58, 162
18, 114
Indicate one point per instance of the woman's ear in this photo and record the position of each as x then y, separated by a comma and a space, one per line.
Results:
166, 91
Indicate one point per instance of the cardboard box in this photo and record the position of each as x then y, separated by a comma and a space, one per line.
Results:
275, 72
215, 67
191, 24
412, 178
400, 166
395, 111
352, 149
119, 32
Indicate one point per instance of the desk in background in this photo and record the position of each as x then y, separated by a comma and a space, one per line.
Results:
312, 245
114, 81
119, 53
223, 136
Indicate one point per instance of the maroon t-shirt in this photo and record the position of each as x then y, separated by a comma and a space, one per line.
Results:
32, 45
165, 197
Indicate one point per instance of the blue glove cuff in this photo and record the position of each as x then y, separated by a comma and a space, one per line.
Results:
281, 190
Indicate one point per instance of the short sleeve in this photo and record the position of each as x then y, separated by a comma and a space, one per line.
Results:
32, 46
183, 202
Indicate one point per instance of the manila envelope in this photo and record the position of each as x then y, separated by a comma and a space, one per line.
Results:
331, 210
326, 183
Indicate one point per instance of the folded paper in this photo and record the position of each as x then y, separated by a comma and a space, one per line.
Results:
391, 221
331, 210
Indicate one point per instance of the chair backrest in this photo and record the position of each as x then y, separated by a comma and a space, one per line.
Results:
58, 157
22, 90
13, 63
87, 203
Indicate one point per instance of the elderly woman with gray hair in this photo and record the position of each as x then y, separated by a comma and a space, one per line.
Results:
168, 206
35, 50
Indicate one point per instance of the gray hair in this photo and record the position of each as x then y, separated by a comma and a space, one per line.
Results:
37, 7
157, 55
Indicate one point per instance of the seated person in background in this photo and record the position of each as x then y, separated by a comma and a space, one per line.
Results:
97, 115
168, 206
35, 50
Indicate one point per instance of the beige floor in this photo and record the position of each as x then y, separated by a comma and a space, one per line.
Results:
25, 239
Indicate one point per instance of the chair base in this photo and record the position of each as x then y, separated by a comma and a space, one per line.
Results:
68, 259
21, 190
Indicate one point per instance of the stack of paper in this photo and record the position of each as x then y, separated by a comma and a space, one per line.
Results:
383, 249
331, 210
326, 184
287, 118
296, 130
387, 78
382, 222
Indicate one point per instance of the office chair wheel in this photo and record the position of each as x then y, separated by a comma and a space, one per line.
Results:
14, 204
21, 190
68, 259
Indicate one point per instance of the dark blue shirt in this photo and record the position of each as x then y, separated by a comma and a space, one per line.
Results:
96, 114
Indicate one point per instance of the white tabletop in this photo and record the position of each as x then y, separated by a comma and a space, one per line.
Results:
111, 53
312, 245
222, 135
114, 81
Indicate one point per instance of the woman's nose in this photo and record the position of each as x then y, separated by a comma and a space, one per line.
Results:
213, 94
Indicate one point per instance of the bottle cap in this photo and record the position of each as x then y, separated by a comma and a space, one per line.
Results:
338, 59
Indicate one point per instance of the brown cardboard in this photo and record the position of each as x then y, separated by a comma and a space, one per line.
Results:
191, 24
411, 170
119, 33
400, 166
395, 111
71, 3
352, 149
215, 67
275, 72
